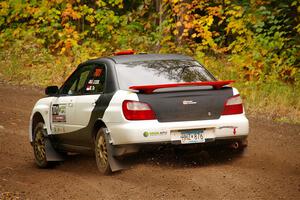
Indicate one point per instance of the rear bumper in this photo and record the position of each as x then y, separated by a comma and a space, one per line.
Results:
126, 149
152, 131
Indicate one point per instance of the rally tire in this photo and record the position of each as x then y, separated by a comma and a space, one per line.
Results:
101, 153
39, 149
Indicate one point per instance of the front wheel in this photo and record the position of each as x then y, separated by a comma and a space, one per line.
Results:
101, 153
39, 147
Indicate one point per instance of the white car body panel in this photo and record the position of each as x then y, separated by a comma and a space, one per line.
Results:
83, 109
69, 103
78, 113
114, 113
42, 106
133, 132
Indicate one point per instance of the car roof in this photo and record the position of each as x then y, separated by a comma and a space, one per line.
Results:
148, 57
137, 58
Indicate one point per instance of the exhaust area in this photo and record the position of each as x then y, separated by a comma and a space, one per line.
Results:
234, 145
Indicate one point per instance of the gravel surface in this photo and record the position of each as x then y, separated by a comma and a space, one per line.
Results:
269, 169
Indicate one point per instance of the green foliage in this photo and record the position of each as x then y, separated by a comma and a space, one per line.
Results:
261, 37
256, 42
62, 26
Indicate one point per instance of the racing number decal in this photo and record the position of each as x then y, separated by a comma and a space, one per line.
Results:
59, 113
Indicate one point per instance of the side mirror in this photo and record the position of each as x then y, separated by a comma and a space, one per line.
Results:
51, 90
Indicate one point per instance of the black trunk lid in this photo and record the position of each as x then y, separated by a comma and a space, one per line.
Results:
202, 104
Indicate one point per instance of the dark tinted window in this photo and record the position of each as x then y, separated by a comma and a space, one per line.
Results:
75, 85
82, 80
161, 72
96, 80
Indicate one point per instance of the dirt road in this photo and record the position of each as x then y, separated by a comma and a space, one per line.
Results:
269, 169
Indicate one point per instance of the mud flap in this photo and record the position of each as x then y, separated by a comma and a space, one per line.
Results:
51, 153
115, 164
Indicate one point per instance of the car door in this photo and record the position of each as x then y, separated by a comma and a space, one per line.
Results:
63, 115
72, 110
85, 104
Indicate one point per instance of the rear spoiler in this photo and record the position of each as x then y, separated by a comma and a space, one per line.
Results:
150, 88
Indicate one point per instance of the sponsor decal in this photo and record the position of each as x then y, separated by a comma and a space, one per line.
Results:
59, 113
146, 134
189, 102
154, 133
90, 88
58, 129
93, 82
96, 82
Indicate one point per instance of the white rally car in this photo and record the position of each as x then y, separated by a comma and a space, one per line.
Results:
117, 105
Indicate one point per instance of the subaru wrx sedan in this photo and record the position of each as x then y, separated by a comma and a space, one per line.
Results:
117, 105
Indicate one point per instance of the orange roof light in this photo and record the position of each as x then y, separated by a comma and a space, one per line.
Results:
125, 52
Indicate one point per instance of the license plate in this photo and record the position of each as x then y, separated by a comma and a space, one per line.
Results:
192, 136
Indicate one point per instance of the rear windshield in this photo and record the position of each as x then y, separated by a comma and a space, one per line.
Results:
161, 72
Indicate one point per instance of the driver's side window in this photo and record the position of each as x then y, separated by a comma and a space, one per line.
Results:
72, 90
75, 84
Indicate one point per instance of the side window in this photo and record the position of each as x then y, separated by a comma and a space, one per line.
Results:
75, 85
82, 80
72, 90
96, 81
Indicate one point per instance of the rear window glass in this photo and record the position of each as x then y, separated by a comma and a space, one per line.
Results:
161, 72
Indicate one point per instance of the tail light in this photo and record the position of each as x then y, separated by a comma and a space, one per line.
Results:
135, 110
233, 106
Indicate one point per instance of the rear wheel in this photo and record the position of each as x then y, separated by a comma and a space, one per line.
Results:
39, 147
101, 153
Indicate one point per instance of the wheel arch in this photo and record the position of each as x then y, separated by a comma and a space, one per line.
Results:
36, 118
41, 111
97, 125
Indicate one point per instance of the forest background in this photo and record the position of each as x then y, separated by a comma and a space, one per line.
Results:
255, 42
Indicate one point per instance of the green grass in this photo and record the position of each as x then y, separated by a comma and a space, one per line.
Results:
276, 101
29, 64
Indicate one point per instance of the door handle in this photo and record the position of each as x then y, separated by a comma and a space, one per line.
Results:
70, 104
